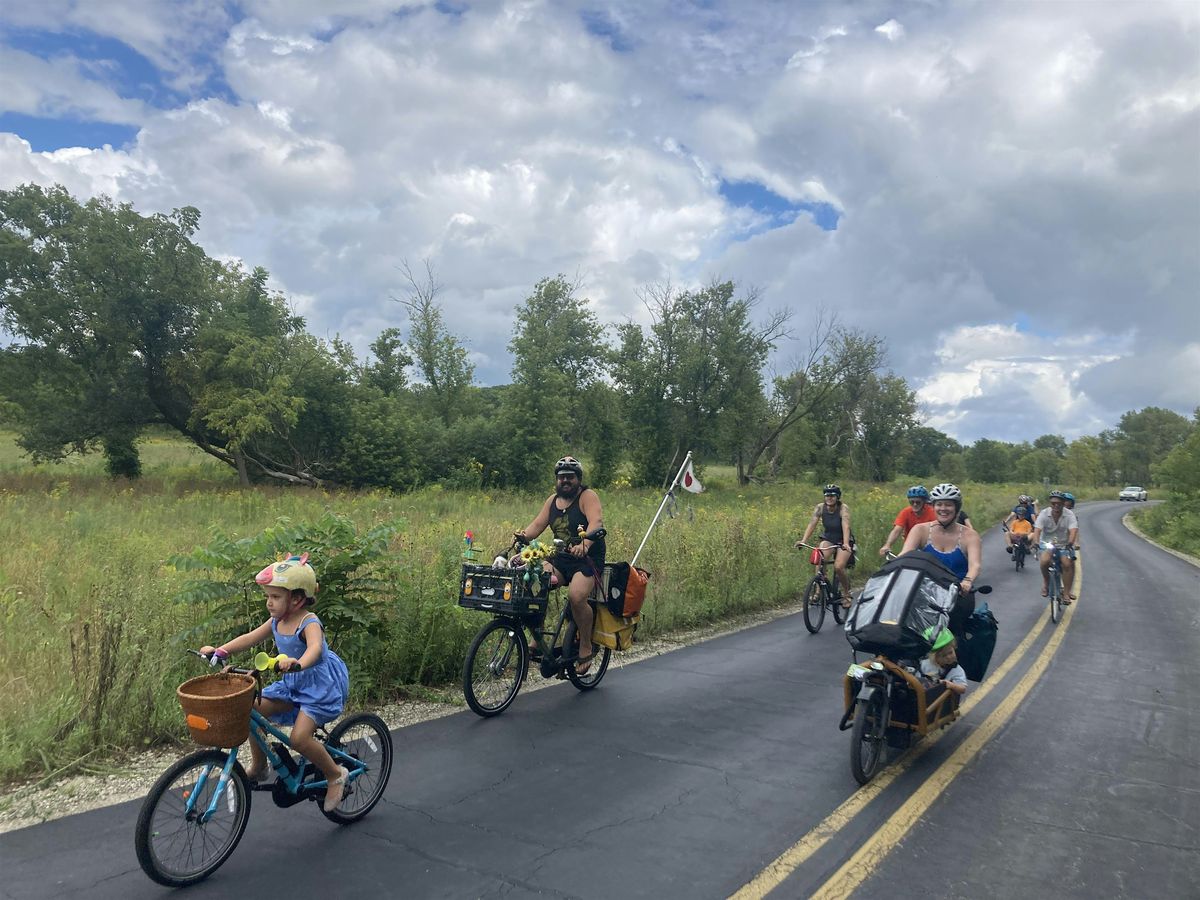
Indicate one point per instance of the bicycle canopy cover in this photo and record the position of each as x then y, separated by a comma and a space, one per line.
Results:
293, 574
918, 490
908, 598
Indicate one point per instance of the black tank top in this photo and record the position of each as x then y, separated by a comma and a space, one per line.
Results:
832, 523
565, 524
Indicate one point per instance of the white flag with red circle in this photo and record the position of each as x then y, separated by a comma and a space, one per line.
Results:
689, 481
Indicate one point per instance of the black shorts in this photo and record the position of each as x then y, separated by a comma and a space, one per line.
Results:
567, 565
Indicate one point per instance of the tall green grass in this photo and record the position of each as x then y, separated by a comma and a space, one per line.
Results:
91, 646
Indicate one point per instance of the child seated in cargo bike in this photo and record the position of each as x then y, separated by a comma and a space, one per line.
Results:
940, 670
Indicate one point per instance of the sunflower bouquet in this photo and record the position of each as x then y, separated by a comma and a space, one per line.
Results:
531, 557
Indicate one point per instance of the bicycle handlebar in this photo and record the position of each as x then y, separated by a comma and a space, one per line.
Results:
800, 544
218, 658
520, 540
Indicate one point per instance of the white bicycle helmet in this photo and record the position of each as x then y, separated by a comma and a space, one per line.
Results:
946, 491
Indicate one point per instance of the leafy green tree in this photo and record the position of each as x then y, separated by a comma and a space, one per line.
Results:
559, 358
388, 370
441, 361
1036, 465
924, 448
1146, 437
837, 359
688, 378
1083, 464
885, 412
951, 467
99, 299
1180, 470
1055, 443
988, 461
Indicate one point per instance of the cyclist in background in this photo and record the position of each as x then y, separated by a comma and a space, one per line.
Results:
917, 511
1019, 523
1069, 503
834, 516
1059, 525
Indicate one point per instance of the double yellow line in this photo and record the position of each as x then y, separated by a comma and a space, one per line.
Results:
859, 867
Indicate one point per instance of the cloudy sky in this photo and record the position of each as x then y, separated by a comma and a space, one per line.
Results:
1008, 192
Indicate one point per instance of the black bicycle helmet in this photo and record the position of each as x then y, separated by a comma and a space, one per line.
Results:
568, 464
832, 490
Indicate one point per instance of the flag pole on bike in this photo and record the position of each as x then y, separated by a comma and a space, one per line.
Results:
686, 478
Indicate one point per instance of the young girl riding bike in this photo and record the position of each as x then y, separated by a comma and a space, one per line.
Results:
315, 680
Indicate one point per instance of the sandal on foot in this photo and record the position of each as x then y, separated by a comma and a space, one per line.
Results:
1045, 592
335, 791
586, 662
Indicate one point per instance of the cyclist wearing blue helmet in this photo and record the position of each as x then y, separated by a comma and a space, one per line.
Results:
917, 511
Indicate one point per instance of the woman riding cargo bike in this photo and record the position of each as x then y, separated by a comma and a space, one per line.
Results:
901, 617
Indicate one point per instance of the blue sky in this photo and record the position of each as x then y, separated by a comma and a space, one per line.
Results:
1001, 190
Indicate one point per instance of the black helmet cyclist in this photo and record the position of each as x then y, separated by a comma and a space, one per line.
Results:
832, 490
568, 464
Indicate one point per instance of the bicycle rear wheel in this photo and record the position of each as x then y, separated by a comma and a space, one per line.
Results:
815, 598
174, 847
600, 660
839, 611
367, 739
495, 667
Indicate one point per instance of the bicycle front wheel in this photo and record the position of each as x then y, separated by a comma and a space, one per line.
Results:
366, 738
600, 659
174, 846
814, 605
1055, 596
866, 739
495, 667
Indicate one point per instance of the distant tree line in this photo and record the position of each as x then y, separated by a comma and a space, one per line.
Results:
118, 322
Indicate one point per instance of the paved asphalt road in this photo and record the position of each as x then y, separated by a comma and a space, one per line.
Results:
686, 774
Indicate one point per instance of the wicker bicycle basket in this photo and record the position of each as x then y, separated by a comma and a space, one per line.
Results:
217, 708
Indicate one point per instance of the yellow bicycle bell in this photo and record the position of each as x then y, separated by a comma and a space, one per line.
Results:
262, 661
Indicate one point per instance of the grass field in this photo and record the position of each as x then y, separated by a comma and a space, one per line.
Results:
91, 646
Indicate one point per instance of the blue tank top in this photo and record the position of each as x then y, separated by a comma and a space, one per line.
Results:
955, 560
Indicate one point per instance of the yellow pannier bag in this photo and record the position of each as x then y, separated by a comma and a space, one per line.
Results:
613, 632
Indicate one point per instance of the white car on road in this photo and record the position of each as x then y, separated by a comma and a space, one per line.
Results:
1133, 493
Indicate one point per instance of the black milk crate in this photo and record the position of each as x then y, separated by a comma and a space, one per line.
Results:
482, 587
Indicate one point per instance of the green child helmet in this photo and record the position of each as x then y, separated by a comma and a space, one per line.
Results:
938, 639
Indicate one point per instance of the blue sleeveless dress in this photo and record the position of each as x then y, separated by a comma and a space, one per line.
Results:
320, 691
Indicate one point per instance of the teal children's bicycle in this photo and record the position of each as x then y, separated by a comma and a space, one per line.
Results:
194, 816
